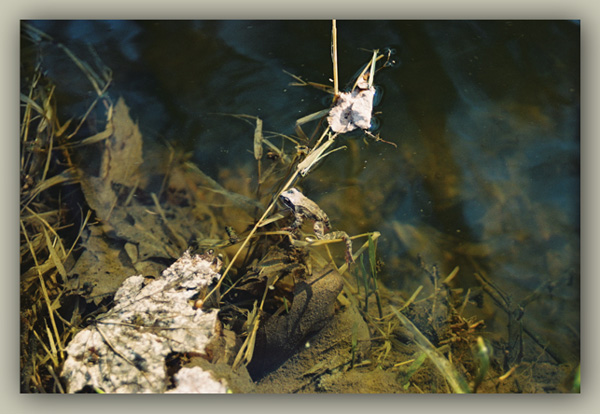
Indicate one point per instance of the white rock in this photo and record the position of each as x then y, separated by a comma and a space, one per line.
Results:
196, 381
125, 350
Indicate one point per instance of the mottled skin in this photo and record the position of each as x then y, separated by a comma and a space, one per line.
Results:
303, 209
306, 209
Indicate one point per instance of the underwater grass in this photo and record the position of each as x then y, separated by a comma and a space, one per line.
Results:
453, 377
45, 169
319, 151
47, 246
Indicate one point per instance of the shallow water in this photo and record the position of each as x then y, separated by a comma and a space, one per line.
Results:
485, 116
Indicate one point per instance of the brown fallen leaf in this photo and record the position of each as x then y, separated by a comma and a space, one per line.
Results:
121, 158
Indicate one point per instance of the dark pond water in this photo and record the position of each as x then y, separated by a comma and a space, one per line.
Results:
485, 116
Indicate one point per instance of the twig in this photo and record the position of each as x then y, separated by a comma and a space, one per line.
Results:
254, 229
334, 58
313, 157
178, 238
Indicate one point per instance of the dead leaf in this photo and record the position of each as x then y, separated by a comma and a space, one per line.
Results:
121, 158
352, 110
123, 148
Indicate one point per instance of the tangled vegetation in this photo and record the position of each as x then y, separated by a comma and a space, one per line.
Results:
86, 226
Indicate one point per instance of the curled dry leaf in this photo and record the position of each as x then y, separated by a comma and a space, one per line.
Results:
352, 110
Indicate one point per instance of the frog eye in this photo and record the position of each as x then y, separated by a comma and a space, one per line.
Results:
285, 200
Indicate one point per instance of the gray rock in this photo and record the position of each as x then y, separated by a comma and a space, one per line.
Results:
125, 350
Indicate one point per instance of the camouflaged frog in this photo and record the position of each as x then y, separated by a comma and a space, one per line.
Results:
303, 209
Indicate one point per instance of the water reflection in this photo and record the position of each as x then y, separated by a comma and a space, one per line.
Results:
485, 116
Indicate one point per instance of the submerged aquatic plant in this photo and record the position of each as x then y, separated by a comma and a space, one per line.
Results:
264, 263
320, 149
46, 231
350, 110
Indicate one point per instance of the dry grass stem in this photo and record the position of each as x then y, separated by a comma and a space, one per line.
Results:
334, 57
454, 379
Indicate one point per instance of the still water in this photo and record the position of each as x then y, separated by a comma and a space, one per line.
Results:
484, 115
